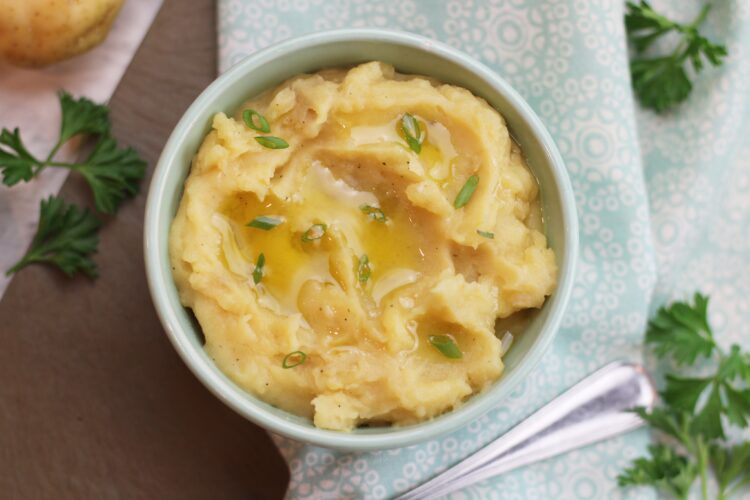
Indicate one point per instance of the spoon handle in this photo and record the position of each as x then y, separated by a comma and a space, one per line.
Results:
595, 408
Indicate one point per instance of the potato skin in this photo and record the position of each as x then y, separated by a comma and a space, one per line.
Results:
35, 33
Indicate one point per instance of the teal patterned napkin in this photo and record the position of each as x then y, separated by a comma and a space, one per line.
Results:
663, 201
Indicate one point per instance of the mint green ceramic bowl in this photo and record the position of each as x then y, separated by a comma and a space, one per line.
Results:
409, 54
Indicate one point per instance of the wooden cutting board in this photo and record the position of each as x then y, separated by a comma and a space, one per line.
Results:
94, 402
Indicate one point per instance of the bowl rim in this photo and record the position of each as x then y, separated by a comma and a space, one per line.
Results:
158, 269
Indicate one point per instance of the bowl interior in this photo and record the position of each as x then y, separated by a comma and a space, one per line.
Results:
409, 54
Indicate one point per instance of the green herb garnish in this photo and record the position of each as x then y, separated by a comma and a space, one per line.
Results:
271, 142
113, 174
412, 132
293, 359
249, 116
463, 196
661, 82
80, 116
374, 213
665, 468
17, 164
264, 222
66, 237
258, 271
446, 345
363, 269
486, 234
315, 232
696, 409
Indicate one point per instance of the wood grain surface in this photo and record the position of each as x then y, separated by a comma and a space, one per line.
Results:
94, 402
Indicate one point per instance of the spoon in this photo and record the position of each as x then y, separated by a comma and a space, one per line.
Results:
594, 409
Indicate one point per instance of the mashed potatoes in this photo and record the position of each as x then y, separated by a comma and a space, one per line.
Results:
356, 275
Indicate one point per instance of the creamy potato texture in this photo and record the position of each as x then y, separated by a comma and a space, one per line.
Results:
368, 264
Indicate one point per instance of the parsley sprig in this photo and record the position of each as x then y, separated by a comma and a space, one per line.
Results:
112, 173
661, 82
696, 411
66, 237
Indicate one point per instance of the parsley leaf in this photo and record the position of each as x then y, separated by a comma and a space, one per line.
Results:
113, 174
682, 331
731, 466
683, 393
735, 365
708, 420
670, 422
665, 470
81, 116
738, 405
696, 410
662, 82
16, 161
66, 237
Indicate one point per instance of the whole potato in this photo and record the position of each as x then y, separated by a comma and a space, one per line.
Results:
42, 32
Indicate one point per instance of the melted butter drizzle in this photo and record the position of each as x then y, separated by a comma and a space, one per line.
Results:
393, 247
437, 156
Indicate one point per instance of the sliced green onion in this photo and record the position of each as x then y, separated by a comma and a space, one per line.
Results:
271, 142
464, 195
446, 345
315, 232
293, 359
374, 213
412, 132
363, 269
258, 271
264, 222
486, 234
249, 116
